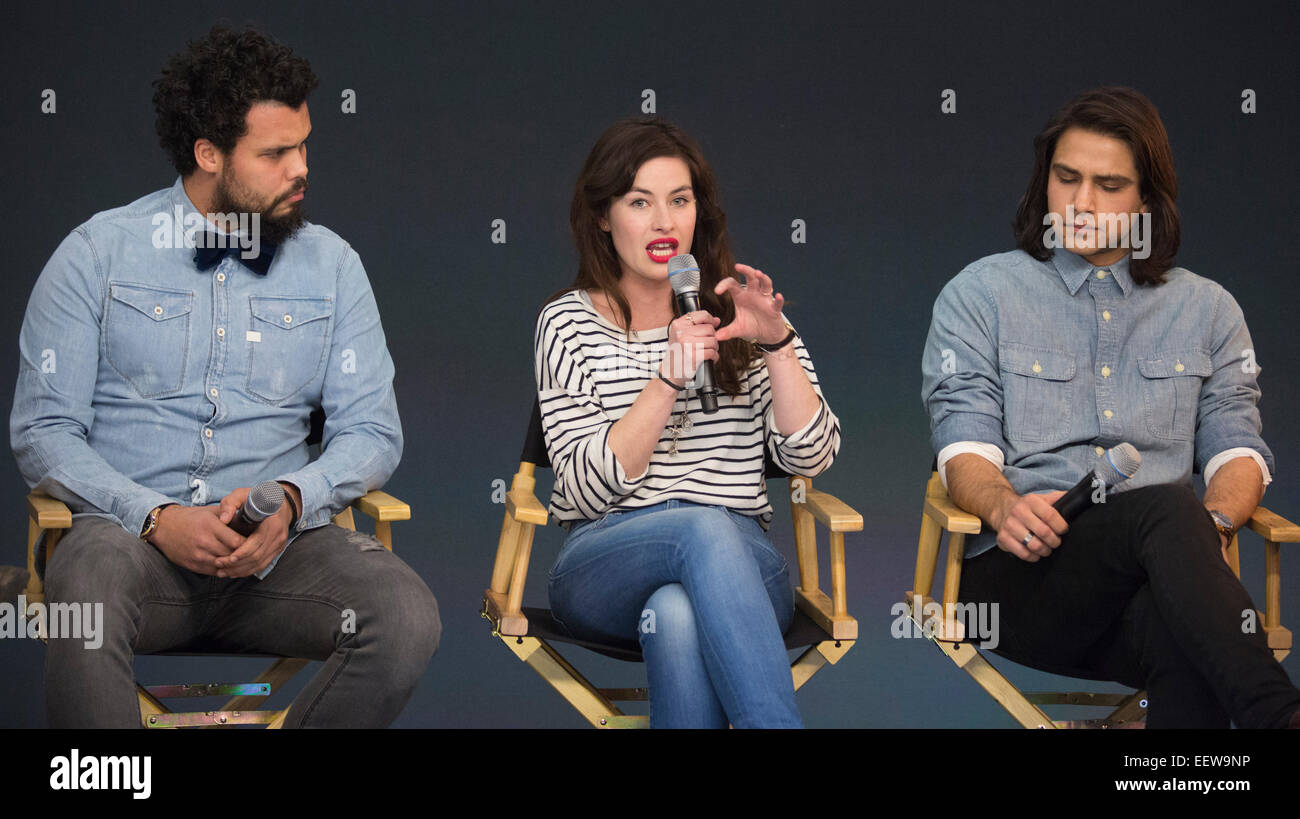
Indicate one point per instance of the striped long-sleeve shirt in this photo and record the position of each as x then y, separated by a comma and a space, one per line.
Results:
589, 374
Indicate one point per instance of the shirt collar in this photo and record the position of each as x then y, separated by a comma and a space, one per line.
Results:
1075, 270
205, 257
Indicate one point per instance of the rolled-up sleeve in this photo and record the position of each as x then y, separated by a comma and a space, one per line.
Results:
1227, 412
575, 424
960, 384
809, 450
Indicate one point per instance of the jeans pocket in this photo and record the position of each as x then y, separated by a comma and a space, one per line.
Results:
287, 344
147, 336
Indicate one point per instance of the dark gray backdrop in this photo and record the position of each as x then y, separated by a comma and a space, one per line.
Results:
826, 112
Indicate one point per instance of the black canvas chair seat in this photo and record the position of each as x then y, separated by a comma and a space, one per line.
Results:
543, 625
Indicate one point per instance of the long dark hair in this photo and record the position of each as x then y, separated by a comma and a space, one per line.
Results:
1128, 116
607, 174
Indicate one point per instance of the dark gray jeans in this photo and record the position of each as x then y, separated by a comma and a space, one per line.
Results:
335, 595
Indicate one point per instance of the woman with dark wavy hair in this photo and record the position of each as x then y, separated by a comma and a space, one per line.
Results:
667, 506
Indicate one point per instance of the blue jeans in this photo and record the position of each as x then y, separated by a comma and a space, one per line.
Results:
707, 596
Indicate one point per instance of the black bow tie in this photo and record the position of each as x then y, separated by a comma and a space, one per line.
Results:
212, 251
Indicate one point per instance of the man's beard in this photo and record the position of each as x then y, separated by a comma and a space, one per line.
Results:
231, 197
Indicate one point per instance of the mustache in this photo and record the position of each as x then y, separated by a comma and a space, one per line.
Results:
301, 187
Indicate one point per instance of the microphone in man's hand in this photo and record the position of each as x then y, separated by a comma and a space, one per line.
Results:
1119, 464
684, 275
263, 500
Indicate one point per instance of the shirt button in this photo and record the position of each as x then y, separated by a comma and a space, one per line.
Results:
213, 392
221, 277
1100, 452
1105, 314
157, 309
1105, 372
1179, 367
207, 433
1038, 368
221, 332
288, 319
1108, 414
1101, 274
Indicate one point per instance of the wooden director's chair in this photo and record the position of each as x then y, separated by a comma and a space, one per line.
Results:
941, 515
48, 518
821, 623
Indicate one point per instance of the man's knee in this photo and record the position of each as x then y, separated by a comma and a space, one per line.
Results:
397, 614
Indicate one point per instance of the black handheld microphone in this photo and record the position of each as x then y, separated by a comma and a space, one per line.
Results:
1119, 464
684, 275
263, 500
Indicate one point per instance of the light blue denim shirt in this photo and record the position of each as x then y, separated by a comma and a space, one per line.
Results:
1054, 362
144, 380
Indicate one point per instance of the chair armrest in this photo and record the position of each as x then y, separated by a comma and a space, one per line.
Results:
1273, 527
524, 507
382, 507
811, 506
44, 515
940, 514
47, 512
503, 599
831, 512
952, 517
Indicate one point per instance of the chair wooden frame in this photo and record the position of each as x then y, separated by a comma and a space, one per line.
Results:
50, 517
941, 515
503, 599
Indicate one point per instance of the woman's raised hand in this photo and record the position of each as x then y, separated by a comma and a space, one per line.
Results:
758, 308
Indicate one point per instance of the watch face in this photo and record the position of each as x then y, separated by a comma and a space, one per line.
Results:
1222, 522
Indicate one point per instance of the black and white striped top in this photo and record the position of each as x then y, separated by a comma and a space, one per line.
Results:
589, 374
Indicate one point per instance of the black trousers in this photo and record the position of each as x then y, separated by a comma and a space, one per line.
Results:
1138, 592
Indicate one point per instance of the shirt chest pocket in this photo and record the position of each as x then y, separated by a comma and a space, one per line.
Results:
1171, 392
147, 336
287, 341
1036, 392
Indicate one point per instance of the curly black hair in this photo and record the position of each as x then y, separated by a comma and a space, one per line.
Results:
205, 92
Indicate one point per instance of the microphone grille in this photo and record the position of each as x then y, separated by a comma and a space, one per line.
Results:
683, 273
267, 497
1122, 462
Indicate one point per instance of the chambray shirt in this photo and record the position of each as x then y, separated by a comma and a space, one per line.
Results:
1054, 362
144, 380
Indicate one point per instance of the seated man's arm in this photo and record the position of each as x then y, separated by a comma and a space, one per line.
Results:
362, 441
962, 391
53, 402
978, 486
1230, 453
1235, 489
54, 410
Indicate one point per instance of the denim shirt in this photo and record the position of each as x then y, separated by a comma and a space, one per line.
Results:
1054, 362
144, 380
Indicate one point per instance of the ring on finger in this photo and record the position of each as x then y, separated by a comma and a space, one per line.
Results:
1024, 541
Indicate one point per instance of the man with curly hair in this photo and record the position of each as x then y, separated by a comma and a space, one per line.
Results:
174, 352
